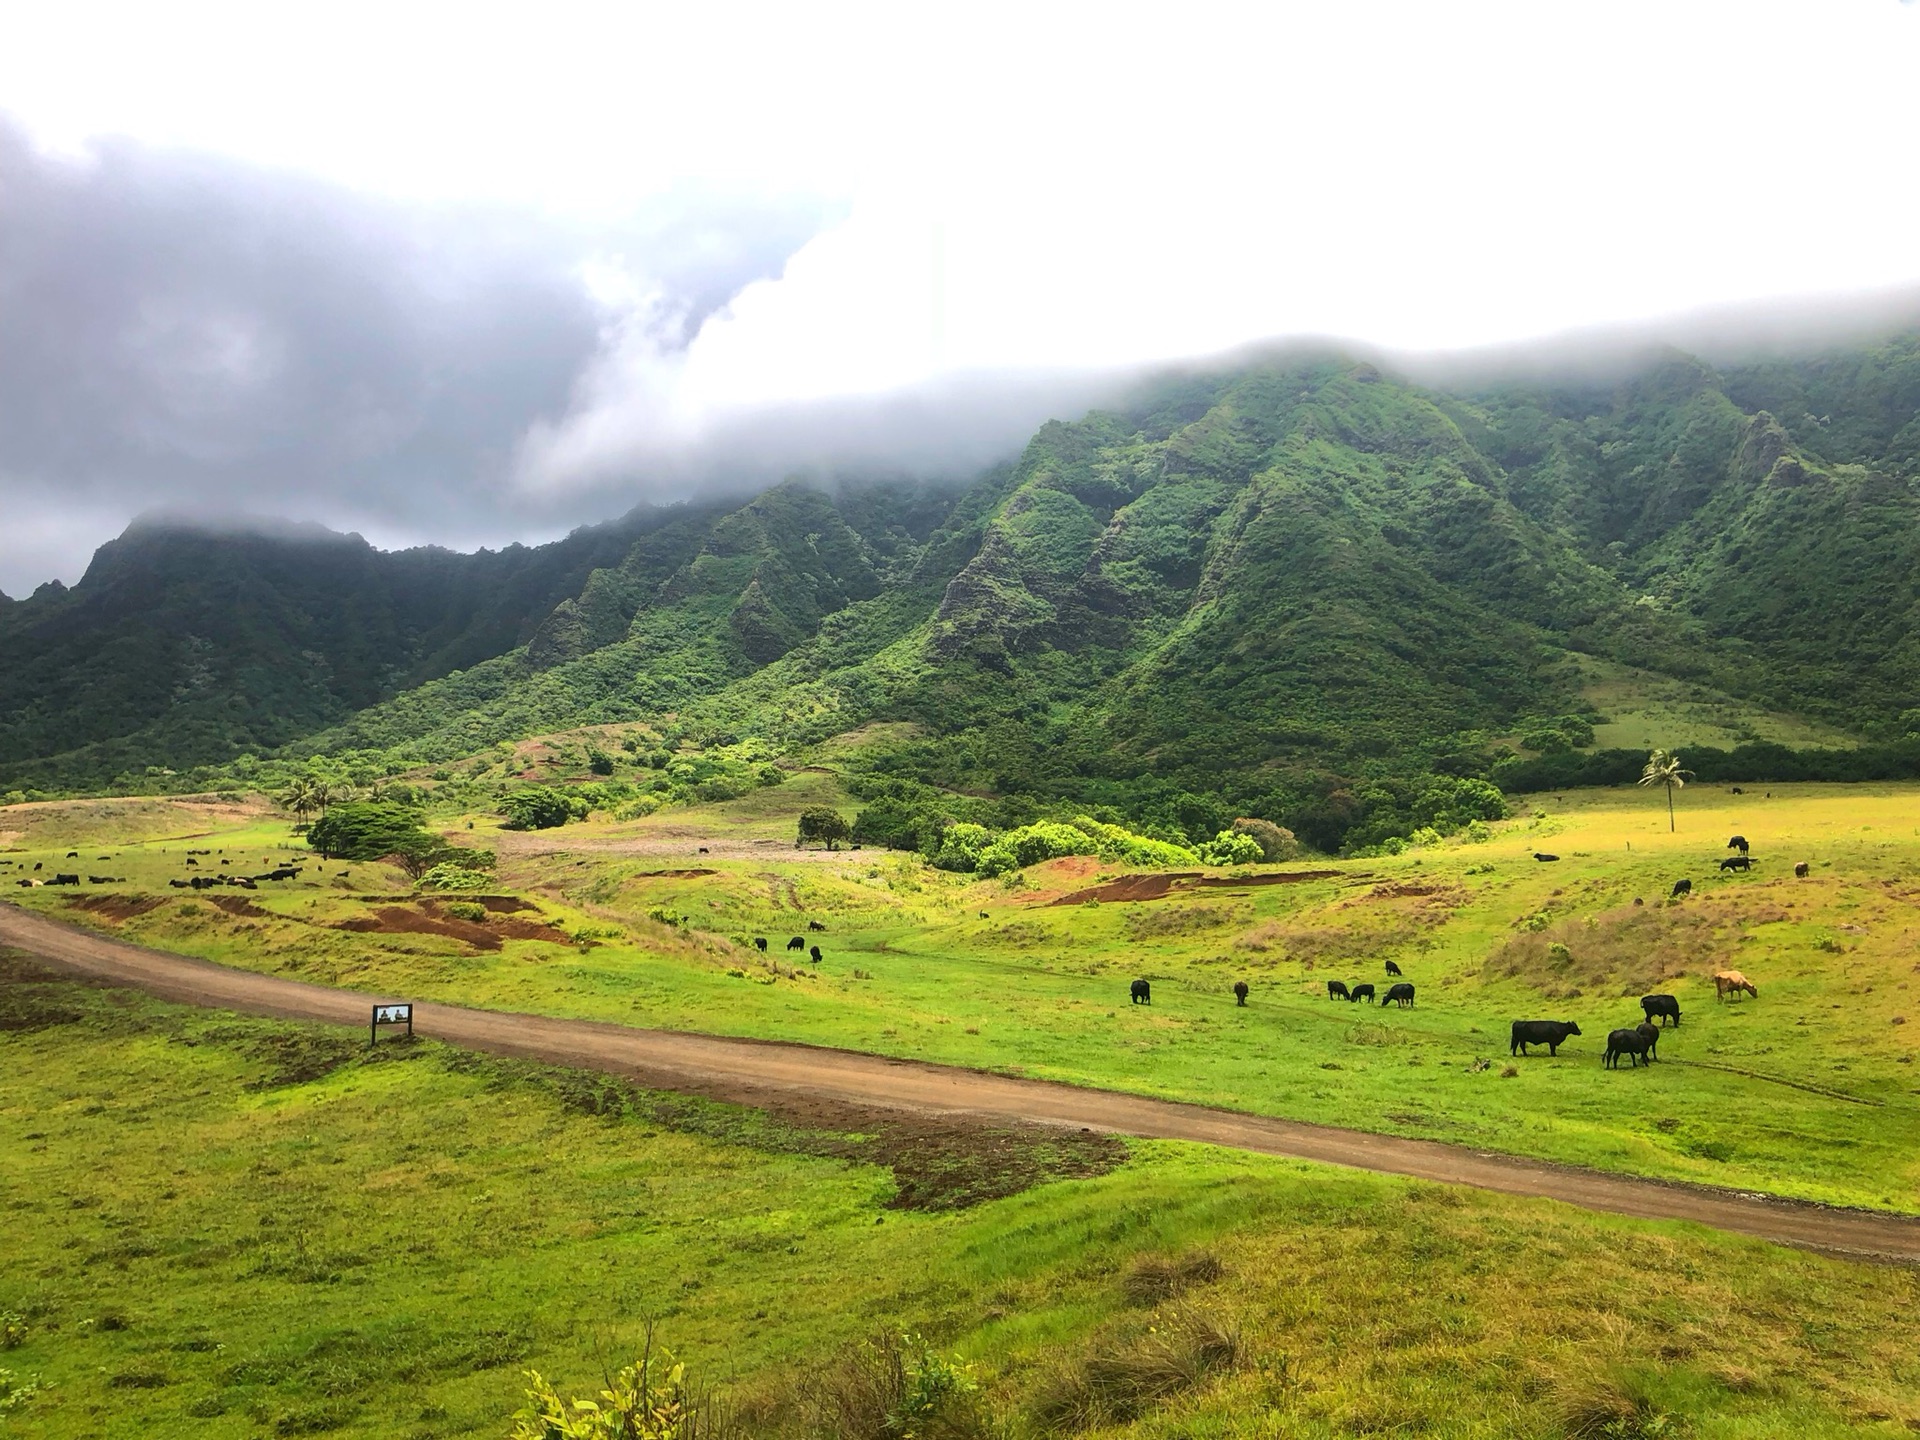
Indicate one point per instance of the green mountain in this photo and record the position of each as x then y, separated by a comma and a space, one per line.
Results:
1298, 587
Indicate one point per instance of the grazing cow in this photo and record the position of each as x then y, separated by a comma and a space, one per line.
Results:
814, 952
1732, 982
36, 864
760, 943
1665, 1006
178, 884
1361, 992
1652, 1037
1681, 887
983, 915
99, 879
1632, 1043
1401, 995
1141, 992
1392, 969
815, 925
73, 854
1239, 992
796, 943
1737, 791
64, 880
1736, 862
1337, 990
1802, 870
1543, 856
1738, 842
193, 862
1638, 901
1550, 1033
703, 849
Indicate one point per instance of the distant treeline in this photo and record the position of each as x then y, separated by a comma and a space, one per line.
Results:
1755, 764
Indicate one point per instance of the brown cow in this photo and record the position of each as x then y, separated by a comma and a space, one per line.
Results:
1732, 982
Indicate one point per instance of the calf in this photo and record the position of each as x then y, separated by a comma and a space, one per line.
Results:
1732, 982
1665, 1006
1141, 992
1543, 856
1736, 862
1550, 1033
1361, 992
1401, 995
814, 952
796, 943
1392, 969
1681, 887
1337, 990
1632, 1043
1239, 992
1802, 870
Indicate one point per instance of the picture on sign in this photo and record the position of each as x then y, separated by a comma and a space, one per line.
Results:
389, 1015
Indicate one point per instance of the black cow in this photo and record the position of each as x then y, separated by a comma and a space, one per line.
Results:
1392, 969
1337, 990
1542, 855
99, 879
1736, 791
1802, 870
1141, 992
1652, 1036
1550, 1033
177, 884
703, 849
760, 943
1239, 992
193, 862
1738, 842
814, 951
815, 925
796, 943
1736, 862
1361, 992
1681, 887
73, 854
1633, 1043
1401, 995
1662, 1005
64, 880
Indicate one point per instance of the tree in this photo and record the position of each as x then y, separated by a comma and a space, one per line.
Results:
368, 830
824, 824
1276, 842
541, 807
305, 796
1663, 768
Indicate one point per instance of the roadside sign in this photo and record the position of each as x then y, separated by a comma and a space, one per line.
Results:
389, 1015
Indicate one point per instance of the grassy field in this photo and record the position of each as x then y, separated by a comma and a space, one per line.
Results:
220, 1227
1809, 1090
1644, 710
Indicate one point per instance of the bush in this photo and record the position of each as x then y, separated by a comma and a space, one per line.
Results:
960, 846
1030, 844
599, 762
1232, 847
448, 875
541, 807
824, 825
892, 1387
1276, 842
1122, 847
467, 910
650, 1399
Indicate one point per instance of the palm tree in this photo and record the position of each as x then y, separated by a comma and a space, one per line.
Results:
1663, 768
306, 795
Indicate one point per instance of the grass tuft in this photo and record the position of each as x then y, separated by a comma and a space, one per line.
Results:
1116, 1383
1156, 1279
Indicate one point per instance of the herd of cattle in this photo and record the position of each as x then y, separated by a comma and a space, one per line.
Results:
1636, 1043
191, 882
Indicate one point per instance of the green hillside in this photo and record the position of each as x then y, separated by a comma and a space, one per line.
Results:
1302, 588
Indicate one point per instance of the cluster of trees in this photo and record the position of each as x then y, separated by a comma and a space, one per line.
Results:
1755, 764
972, 848
386, 830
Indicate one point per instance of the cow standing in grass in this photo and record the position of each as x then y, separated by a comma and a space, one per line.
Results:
1239, 992
1550, 1033
1141, 992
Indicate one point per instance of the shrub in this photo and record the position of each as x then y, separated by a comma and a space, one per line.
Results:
890, 1388
468, 910
1232, 847
599, 762
368, 830
1122, 847
1276, 842
448, 875
650, 1399
1030, 844
960, 846
541, 807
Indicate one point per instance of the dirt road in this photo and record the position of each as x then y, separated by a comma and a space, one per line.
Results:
747, 1070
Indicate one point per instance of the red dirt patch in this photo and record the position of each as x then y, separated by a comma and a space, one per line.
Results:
1159, 886
673, 874
398, 920
115, 907
240, 905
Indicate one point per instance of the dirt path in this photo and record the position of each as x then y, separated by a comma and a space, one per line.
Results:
747, 1070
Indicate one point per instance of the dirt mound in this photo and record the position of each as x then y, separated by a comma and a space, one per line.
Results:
1159, 885
399, 920
115, 907
673, 874
240, 905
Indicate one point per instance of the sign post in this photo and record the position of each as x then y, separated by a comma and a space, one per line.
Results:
389, 1015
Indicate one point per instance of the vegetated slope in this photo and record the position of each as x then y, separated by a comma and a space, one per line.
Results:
1292, 587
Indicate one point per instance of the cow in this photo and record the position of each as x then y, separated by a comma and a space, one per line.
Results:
703, 849
1141, 992
1401, 995
1550, 1033
1361, 992
984, 915
1652, 1037
1239, 992
1665, 1006
1802, 870
814, 952
760, 943
73, 854
99, 879
1392, 969
1681, 887
178, 884
1736, 862
1632, 1043
1337, 990
64, 880
1738, 842
191, 861
1736, 791
1542, 856
1732, 982
815, 925
796, 943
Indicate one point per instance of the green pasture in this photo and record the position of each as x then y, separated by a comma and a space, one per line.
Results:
222, 1227
1809, 1090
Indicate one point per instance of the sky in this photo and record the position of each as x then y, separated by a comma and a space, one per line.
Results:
466, 274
